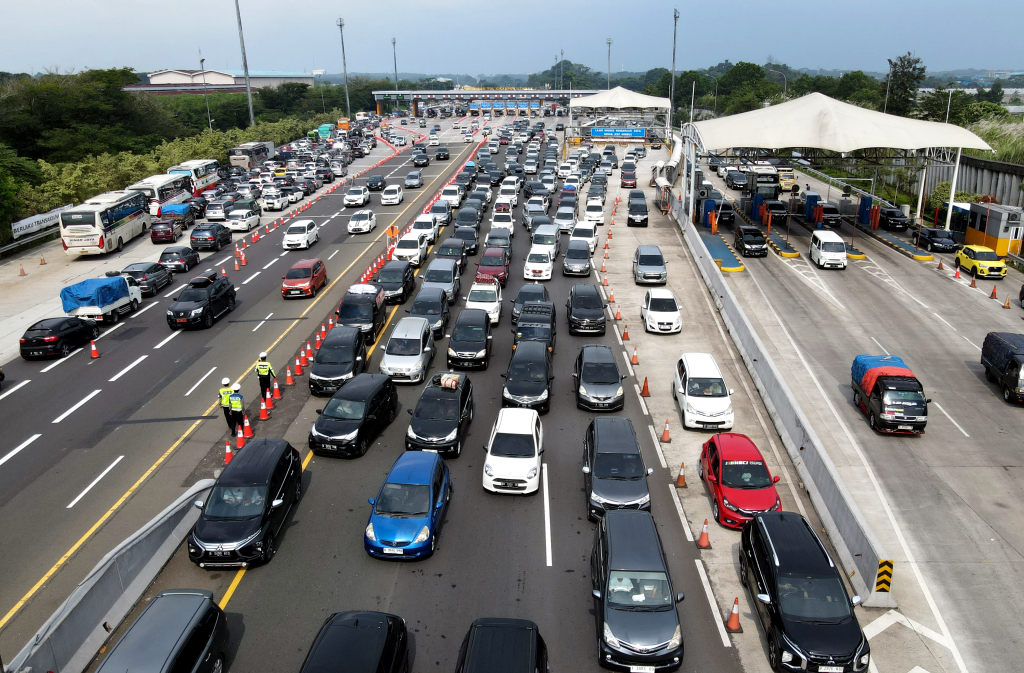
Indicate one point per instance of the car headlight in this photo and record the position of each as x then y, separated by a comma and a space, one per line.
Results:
619, 392
423, 535
409, 433
417, 366
369, 532
864, 659
452, 353
677, 638
451, 435
582, 390
787, 656
543, 396
347, 437
195, 312
690, 409
728, 410
488, 471
599, 500
609, 637
729, 505
532, 473
437, 325
506, 393
170, 313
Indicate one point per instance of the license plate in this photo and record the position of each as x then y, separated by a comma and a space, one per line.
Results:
507, 484
830, 669
430, 450
37, 352
294, 292
904, 427
641, 669
397, 552
220, 553
182, 319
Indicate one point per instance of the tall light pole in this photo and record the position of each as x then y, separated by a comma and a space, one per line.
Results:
888, 82
785, 81
672, 82
394, 55
714, 111
318, 74
245, 64
609, 63
561, 68
344, 65
202, 69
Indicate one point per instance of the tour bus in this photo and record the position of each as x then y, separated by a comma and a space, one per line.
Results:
164, 190
249, 155
104, 223
201, 172
362, 116
764, 175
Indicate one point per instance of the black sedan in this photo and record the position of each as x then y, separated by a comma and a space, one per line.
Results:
441, 153
179, 258
936, 240
893, 219
528, 379
57, 336
585, 310
376, 183
354, 416
440, 421
420, 160
469, 344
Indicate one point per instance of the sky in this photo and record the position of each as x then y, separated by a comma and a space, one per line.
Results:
457, 36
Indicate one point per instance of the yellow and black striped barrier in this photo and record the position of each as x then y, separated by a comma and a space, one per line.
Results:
884, 579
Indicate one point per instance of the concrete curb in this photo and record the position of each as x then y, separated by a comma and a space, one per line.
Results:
926, 257
792, 253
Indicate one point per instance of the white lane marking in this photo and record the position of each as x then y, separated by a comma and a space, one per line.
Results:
625, 357
880, 345
643, 405
148, 306
115, 327
15, 452
75, 408
200, 381
547, 514
680, 512
176, 290
617, 335
943, 320
94, 482
971, 342
716, 618
246, 281
893, 617
164, 342
23, 383
59, 360
333, 254
262, 322
657, 446
951, 419
127, 369
284, 253
267, 266
223, 260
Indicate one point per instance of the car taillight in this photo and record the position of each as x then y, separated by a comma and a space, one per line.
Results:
50, 339
101, 242
62, 242
22, 340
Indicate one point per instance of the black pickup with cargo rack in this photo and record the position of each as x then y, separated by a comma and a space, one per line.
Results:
1002, 356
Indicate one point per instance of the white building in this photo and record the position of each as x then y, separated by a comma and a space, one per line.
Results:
227, 78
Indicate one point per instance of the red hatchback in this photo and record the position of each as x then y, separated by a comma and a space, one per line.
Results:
733, 471
304, 278
628, 179
494, 263
166, 230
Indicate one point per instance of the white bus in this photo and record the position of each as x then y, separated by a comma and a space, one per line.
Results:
362, 116
202, 173
163, 190
103, 223
249, 155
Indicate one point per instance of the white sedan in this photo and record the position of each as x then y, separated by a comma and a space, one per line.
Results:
357, 196
362, 222
242, 220
392, 196
300, 234
411, 248
538, 265
433, 140
660, 312
467, 138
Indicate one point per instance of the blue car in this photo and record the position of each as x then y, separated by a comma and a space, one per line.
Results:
406, 515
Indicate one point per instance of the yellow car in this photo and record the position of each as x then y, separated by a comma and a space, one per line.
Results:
980, 261
280, 172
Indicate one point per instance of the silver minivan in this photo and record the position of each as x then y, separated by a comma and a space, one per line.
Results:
409, 351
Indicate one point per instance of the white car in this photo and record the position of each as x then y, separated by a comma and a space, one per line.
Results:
242, 220
660, 312
294, 195
514, 450
356, 197
585, 231
453, 195
546, 237
362, 222
564, 170
699, 390
300, 234
411, 248
574, 180
530, 167
274, 200
512, 181
510, 193
467, 138
486, 294
392, 196
399, 140
428, 224
538, 264
433, 140
503, 221
594, 212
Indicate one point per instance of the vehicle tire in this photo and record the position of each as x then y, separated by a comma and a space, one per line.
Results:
700, 469
856, 399
120, 244
928, 247
773, 654
314, 291
298, 489
871, 421
988, 375
1007, 395
715, 512
231, 304
217, 246
208, 320
115, 317
363, 446
268, 548
392, 414
95, 334
458, 449
134, 305
218, 665
65, 350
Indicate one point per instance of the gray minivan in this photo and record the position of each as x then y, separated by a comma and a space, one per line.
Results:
444, 274
649, 265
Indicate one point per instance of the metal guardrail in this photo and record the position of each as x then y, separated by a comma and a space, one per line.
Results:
28, 239
837, 182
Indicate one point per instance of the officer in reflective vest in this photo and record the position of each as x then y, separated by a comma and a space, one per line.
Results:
265, 373
225, 403
237, 403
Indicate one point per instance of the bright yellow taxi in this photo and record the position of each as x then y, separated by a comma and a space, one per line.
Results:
980, 261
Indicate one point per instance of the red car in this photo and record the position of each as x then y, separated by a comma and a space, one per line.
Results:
733, 470
503, 140
166, 230
628, 179
494, 263
304, 278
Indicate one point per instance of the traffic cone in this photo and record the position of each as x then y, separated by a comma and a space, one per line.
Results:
681, 479
247, 428
270, 401
318, 342
277, 391
603, 270
611, 295
974, 282
606, 245
665, 437
92, 350
298, 364
940, 264
634, 360
605, 281
302, 360
42, 261
222, 271
618, 312
613, 221
323, 330
244, 246
309, 350
956, 274
228, 455
243, 259
645, 391
625, 332
264, 416
240, 438
256, 236
606, 254
268, 230
21, 271
1006, 304
288, 380
703, 542
330, 323
732, 624
238, 252
236, 264
609, 233
995, 294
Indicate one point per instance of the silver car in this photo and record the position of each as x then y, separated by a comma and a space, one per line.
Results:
565, 219
649, 265
414, 179
409, 351
444, 275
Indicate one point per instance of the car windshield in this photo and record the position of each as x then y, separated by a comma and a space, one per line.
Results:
483, 295
650, 260
663, 304
437, 407
192, 294
334, 355
299, 230
706, 388
344, 409
985, 256
751, 237
302, 272
586, 300
491, 261
412, 176
938, 233
403, 500
241, 215
543, 239
600, 373
355, 192
619, 466
502, 217
469, 333
745, 474
408, 243
360, 216
538, 258
391, 275
447, 251
440, 275
235, 502
533, 332
534, 372
512, 445
170, 257
632, 590
403, 347
577, 253
837, 246
530, 293
909, 397
426, 307
355, 312
813, 599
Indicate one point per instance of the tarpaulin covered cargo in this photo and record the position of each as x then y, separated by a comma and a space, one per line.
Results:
175, 210
97, 292
999, 347
867, 368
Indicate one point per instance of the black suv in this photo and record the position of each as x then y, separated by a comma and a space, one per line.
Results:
341, 356
398, 280
432, 305
799, 595
441, 153
527, 293
368, 642
354, 416
638, 214
209, 235
420, 159
469, 344
536, 323
501, 644
893, 219
468, 235
363, 307
247, 507
528, 379
614, 474
936, 240
750, 242
584, 310
376, 183
440, 421
206, 298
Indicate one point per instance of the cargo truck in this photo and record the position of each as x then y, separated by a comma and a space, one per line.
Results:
105, 299
888, 393
1002, 355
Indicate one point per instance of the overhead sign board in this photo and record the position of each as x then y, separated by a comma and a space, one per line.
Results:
535, 103
618, 132
486, 105
523, 105
473, 106
499, 105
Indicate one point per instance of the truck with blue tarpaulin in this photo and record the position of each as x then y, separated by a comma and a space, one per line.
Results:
888, 393
105, 299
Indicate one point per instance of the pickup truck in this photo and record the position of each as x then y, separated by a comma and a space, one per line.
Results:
1002, 355
105, 299
888, 393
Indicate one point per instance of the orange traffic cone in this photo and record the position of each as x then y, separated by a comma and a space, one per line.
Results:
634, 360
270, 401
605, 281
618, 312
603, 269
1006, 304
611, 295
609, 233
956, 274
606, 245
222, 271
236, 264
264, 416
228, 455
613, 221
239, 438
681, 479
93, 352
247, 428
732, 624
277, 391
302, 360
665, 436
256, 236
323, 330
645, 391
42, 261
940, 264
330, 323
309, 351
244, 246
21, 270
625, 332
318, 342
995, 294
243, 259
703, 542
298, 364
288, 380
606, 254
974, 282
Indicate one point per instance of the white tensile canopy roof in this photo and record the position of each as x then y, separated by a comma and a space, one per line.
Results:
619, 98
817, 121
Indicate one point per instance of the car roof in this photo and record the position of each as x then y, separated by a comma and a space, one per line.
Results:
827, 235
445, 262
49, 323
648, 249
701, 365
584, 288
979, 248
494, 252
355, 637
661, 293
430, 293
545, 229
254, 465
798, 549
472, 316
400, 263
410, 327
532, 350
152, 639
514, 420
341, 336
614, 434
633, 542
499, 645
749, 228
539, 250
305, 263
597, 353
361, 386
413, 467
735, 446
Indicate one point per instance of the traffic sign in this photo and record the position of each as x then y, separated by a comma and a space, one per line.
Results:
618, 132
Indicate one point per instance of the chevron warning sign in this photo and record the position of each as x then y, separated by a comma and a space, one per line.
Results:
884, 579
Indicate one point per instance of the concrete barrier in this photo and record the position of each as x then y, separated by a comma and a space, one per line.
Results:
73, 635
859, 549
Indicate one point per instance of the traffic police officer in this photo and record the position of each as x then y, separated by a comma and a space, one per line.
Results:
237, 406
265, 372
225, 403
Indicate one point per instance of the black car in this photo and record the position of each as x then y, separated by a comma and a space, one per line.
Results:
466, 179
585, 310
799, 595
634, 604
477, 204
398, 279
735, 180
57, 336
368, 642
180, 630
638, 213
363, 306
614, 474
576, 261
441, 153
750, 242
534, 187
726, 213
468, 235
341, 356
495, 177
206, 298
453, 248
468, 216
325, 175
936, 240
530, 292
151, 276
354, 416
538, 221
469, 344
420, 160
893, 219
536, 323
830, 215
179, 258
432, 305
529, 376
198, 205
598, 382
440, 421
248, 506
376, 183
501, 644
210, 236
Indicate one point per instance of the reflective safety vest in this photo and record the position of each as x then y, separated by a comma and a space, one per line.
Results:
236, 401
225, 397
263, 368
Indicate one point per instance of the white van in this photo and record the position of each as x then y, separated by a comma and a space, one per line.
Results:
828, 250
699, 390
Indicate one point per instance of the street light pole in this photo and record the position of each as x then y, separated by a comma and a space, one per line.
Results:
561, 68
245, 64
672, 83
785, 81
714, 111
344, 66
609, 63
394, 55
202, 69
888, 83
318, 74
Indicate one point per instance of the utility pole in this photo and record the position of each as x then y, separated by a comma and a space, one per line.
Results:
318, 74
609, 63
714, 111
672, 83
693, 95
202, 69
394, 55
888, 83
245, 64
785, 81
561, 68
344, 65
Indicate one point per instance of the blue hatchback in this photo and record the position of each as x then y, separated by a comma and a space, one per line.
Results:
406, 515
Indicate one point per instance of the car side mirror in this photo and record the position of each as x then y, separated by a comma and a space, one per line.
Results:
408, 311
427, 349
503, 375
319, 411
855, 600
928, 400
731, 391
489, 337
371, 417
198, 504
371, 500
440, 504
765, 598
175, 299
625, 376
586, 469
680, 596
596, 594
447, 336
277, 503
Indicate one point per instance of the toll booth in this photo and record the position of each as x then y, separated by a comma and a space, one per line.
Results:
756, 200
864, 210
811, 199
995, 226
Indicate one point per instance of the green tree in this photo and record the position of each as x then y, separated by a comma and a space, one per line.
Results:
901, 84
